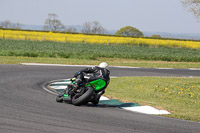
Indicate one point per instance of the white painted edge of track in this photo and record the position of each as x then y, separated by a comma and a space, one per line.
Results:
41, 64
147, 110
139, 109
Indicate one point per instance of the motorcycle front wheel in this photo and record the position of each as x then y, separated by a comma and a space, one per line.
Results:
59, 99
84, 98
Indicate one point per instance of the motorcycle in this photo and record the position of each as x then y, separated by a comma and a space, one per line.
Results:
87, 92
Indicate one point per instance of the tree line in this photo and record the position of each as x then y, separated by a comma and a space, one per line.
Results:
52, 23
9, 24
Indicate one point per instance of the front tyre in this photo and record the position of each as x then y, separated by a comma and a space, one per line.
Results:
59, 99
80, 100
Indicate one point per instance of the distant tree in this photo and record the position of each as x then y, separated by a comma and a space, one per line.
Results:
129, 31
71, 29
6, 24
93, 27
17, 26
97, 28
53, 24
9, 24
193, 6
156, 36
87, 27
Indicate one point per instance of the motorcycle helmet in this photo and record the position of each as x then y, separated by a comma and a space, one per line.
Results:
103, 65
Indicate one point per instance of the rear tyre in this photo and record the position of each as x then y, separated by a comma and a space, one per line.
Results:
83, 99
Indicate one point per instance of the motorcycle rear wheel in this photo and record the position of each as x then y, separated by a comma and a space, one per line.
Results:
83, 98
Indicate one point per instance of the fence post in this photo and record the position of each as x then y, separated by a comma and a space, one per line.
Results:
108, 42
44, 38
85, 41
179, 45
132, 42
65, 39
3, 36
139, 44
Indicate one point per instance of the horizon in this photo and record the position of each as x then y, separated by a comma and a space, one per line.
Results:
118, 29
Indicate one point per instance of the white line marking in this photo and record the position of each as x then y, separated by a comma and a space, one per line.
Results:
165, 68
146, 110
43, 87
58, 87
41, 64
62, 82
194, 69
104, 98
125, 67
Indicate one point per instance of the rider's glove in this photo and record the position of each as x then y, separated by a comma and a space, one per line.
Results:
78, 73
73, 79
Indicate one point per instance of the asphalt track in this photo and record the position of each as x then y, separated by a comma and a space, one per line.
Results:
25, 107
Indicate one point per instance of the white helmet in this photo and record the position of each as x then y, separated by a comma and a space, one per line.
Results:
103, 65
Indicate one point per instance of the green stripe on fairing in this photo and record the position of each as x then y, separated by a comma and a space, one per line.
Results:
97, 84
66, 96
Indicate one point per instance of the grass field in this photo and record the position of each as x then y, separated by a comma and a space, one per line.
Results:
180, 96
94, 51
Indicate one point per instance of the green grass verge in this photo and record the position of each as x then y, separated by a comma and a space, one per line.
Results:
94, 51
180, 96
111, 62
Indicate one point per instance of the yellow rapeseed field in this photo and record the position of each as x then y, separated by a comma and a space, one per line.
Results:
93, 39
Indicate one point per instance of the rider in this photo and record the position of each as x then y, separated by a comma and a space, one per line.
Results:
91, 73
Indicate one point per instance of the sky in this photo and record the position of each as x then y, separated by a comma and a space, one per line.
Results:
145, 15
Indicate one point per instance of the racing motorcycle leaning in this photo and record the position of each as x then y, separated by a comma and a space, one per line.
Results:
90, 91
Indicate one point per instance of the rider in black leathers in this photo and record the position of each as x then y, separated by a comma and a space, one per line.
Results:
91, 73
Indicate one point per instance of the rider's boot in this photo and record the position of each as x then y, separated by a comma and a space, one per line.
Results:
95, 101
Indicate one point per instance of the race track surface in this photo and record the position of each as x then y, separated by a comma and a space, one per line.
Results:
26, 107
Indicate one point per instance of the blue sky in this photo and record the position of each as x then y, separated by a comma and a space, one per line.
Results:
146, 15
